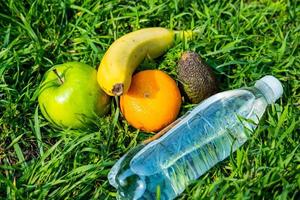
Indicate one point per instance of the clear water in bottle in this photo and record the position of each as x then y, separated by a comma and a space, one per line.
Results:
204, 136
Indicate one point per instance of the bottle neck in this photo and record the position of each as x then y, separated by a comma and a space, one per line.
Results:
257, 93
270, 89
259, 105
263, 92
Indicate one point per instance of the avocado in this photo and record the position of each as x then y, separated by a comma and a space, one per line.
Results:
196, 78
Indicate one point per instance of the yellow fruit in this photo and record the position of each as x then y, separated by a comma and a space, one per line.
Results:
127, 52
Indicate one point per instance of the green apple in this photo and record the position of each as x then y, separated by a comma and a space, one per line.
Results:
70, 96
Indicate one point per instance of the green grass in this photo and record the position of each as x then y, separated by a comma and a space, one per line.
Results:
241, 40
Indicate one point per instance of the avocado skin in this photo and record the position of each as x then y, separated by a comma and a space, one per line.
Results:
196, 78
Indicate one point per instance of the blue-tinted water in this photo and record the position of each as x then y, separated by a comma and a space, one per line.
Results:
204, 137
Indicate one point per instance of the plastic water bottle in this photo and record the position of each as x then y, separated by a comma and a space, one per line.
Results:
204, 136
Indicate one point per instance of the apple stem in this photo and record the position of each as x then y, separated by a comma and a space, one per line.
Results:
56, 73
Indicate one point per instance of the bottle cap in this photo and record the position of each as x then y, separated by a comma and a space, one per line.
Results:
270, 87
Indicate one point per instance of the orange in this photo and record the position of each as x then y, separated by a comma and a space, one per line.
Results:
152, 101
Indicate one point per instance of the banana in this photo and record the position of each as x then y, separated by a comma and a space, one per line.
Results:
127, 52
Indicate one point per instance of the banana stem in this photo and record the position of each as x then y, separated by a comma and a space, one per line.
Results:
187, 35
